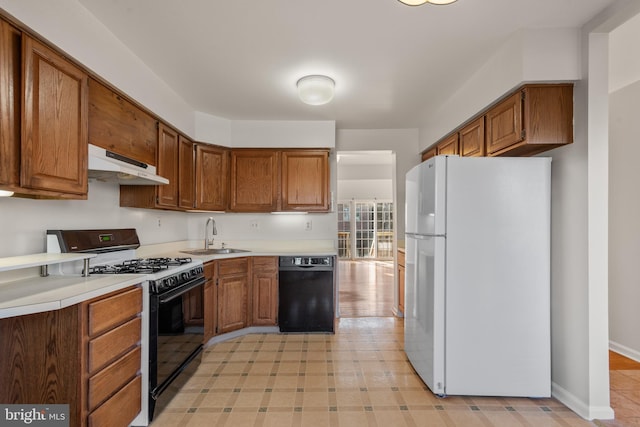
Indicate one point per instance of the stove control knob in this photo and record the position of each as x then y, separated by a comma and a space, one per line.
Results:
185, 276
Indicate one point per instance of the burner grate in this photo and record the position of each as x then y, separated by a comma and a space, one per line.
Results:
139, 265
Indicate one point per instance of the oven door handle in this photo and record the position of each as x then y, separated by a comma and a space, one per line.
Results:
175, 293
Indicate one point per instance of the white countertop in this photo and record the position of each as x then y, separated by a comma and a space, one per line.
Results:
38, 294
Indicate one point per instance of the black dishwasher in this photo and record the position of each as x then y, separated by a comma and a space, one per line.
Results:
306, 294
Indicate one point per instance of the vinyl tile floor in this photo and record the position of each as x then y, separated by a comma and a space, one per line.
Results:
358, 376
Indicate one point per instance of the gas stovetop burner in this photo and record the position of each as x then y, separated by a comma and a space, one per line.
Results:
140, 265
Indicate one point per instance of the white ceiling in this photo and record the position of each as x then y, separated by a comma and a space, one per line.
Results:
240, 59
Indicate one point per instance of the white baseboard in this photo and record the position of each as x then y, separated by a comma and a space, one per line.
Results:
579, 407
625, 351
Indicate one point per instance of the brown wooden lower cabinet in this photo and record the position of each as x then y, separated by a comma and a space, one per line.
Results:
401, 282
233, 285
79, 357
264, 287
210, 300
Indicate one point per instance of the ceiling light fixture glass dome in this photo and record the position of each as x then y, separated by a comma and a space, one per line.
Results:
316, 89
421, 2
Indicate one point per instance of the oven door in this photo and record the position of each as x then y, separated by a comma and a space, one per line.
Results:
172, 344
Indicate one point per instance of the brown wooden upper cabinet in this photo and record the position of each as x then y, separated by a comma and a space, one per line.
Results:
186, 173
449, 145
254, 180
432, 152
535, 119
10, 78
305, 180
212, 177
174, 159
118, 125
168, 149
472, 139
54, 128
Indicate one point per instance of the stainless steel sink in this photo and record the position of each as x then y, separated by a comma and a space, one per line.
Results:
212, 251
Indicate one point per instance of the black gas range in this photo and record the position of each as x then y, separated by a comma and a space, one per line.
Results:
167, 281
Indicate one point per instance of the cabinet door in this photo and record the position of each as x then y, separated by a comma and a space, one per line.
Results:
254, 180
472, 139
212, 183
504, 123
449, 145
186, 190
305, 180
10, 77
264, 283
120, 126
55, 126
210, 306
232, 303
233, 285
168, 166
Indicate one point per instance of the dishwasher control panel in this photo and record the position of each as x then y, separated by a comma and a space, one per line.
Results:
306, 261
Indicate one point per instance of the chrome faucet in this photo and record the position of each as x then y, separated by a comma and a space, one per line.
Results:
209, 241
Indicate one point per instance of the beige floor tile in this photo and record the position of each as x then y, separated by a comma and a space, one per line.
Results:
358, 377
250, 399
216, 399
282, 399
201, 419
315, 399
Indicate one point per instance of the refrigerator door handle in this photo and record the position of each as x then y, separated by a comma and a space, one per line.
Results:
424, 236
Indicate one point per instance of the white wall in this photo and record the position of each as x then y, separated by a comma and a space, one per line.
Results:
403, 142
369, 182
624, 198
24, 222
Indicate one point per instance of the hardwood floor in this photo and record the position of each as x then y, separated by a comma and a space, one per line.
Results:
366, 288
624, 377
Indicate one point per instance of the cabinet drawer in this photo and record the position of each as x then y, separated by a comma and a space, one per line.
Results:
109, 346
113, 377
121, 409
233, 266
112, 311
265, 263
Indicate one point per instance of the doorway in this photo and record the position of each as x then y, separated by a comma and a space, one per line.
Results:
366, 237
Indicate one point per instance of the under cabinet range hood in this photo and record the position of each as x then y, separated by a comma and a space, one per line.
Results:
107, 166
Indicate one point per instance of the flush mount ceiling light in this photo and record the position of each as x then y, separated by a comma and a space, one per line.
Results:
315, 89
5, 193
421, 2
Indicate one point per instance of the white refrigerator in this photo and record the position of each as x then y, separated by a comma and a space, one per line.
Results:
477, 298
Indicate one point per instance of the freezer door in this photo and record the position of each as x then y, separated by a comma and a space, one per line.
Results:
424, 309
425, 198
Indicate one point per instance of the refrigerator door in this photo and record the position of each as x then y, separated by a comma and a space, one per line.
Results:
498, 277
425, 198
424, 309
